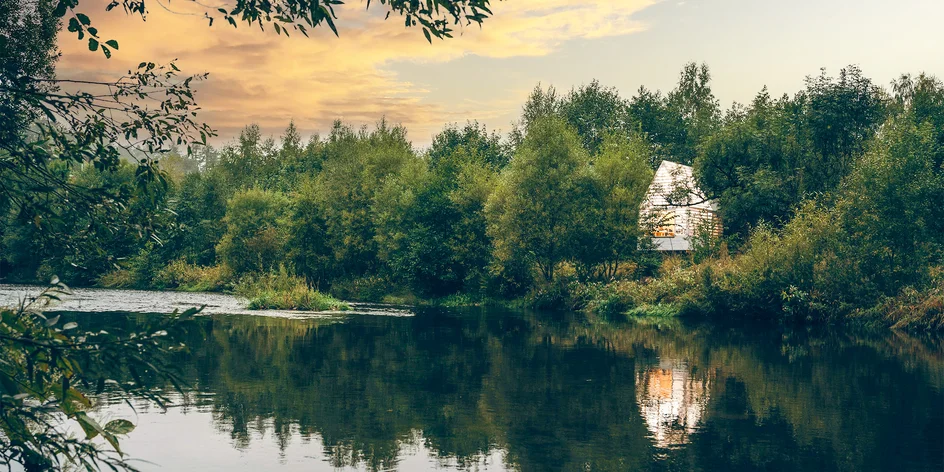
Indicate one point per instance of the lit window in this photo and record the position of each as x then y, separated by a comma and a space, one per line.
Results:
666, 228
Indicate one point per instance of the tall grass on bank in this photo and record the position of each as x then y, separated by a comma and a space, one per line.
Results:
180, 275
282, 291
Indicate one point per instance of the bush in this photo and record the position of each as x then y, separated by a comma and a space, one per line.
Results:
187, 277
913, 309
281, 291
560, 294
370, 288
118, 278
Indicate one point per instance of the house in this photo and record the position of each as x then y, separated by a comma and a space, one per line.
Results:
677, 209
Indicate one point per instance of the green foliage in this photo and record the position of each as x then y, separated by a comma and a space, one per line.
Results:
435, 18
281, 291
475, 140
769, 157
372, 288
611, 232
200, 208
677, 123
256, 231
532, 212
912, 309
596, 112
356, 165
180, 275
49, 369
432, 222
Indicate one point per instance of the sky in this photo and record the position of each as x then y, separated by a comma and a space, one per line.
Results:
380, 69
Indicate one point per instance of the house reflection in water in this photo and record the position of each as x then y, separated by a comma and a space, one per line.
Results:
672, 401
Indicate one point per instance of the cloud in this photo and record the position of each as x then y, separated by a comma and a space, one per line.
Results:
268, 79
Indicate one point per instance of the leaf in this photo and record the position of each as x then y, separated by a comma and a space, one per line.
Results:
428, 38
90, 426
70, 325
119, 427
60, 10
112, 43
52, 321
55, 280
74, 402
83, 18
93, 44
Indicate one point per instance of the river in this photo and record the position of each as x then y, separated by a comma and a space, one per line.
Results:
413, 389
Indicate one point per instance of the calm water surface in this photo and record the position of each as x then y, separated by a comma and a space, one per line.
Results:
487, 389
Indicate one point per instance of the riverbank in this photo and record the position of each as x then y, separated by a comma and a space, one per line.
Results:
721, 288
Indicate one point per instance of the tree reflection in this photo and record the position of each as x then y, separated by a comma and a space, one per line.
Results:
568, 394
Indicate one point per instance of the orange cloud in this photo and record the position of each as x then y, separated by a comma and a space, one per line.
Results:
268, 79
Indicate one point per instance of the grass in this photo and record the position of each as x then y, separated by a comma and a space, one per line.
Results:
280, 291
653, 311
185, 277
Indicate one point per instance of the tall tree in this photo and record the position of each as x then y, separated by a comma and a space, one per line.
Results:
533, 211
770, 156
622, 174
596, 111
676, 124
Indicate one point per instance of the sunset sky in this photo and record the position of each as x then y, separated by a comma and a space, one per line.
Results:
379, 68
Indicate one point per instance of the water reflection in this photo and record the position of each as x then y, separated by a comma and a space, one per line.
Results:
672, 401
490, 390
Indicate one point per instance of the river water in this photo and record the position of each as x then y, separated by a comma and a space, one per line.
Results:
412, 389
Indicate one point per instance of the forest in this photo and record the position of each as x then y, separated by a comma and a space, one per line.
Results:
829, 198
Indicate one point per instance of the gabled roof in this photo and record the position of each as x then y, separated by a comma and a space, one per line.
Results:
670, 177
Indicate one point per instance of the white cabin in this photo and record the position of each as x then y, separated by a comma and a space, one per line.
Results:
677, 208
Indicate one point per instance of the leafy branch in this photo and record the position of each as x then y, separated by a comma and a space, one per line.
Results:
48, 368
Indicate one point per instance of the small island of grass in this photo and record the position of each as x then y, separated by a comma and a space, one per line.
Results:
286, 292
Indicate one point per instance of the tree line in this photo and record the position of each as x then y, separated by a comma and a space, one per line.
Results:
362, 212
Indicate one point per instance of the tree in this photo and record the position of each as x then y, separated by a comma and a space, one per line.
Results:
356, 165
890, 206
540, 104
595, 112
622, 174
256, 231
431, 226
678, 123
749, 164
767, 158
475, 139
840, 117
663, 127
532, 213
695, 103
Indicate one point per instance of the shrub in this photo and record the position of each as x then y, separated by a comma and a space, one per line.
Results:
912, 309
282, 291
370, 288
118, 278
187, 277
